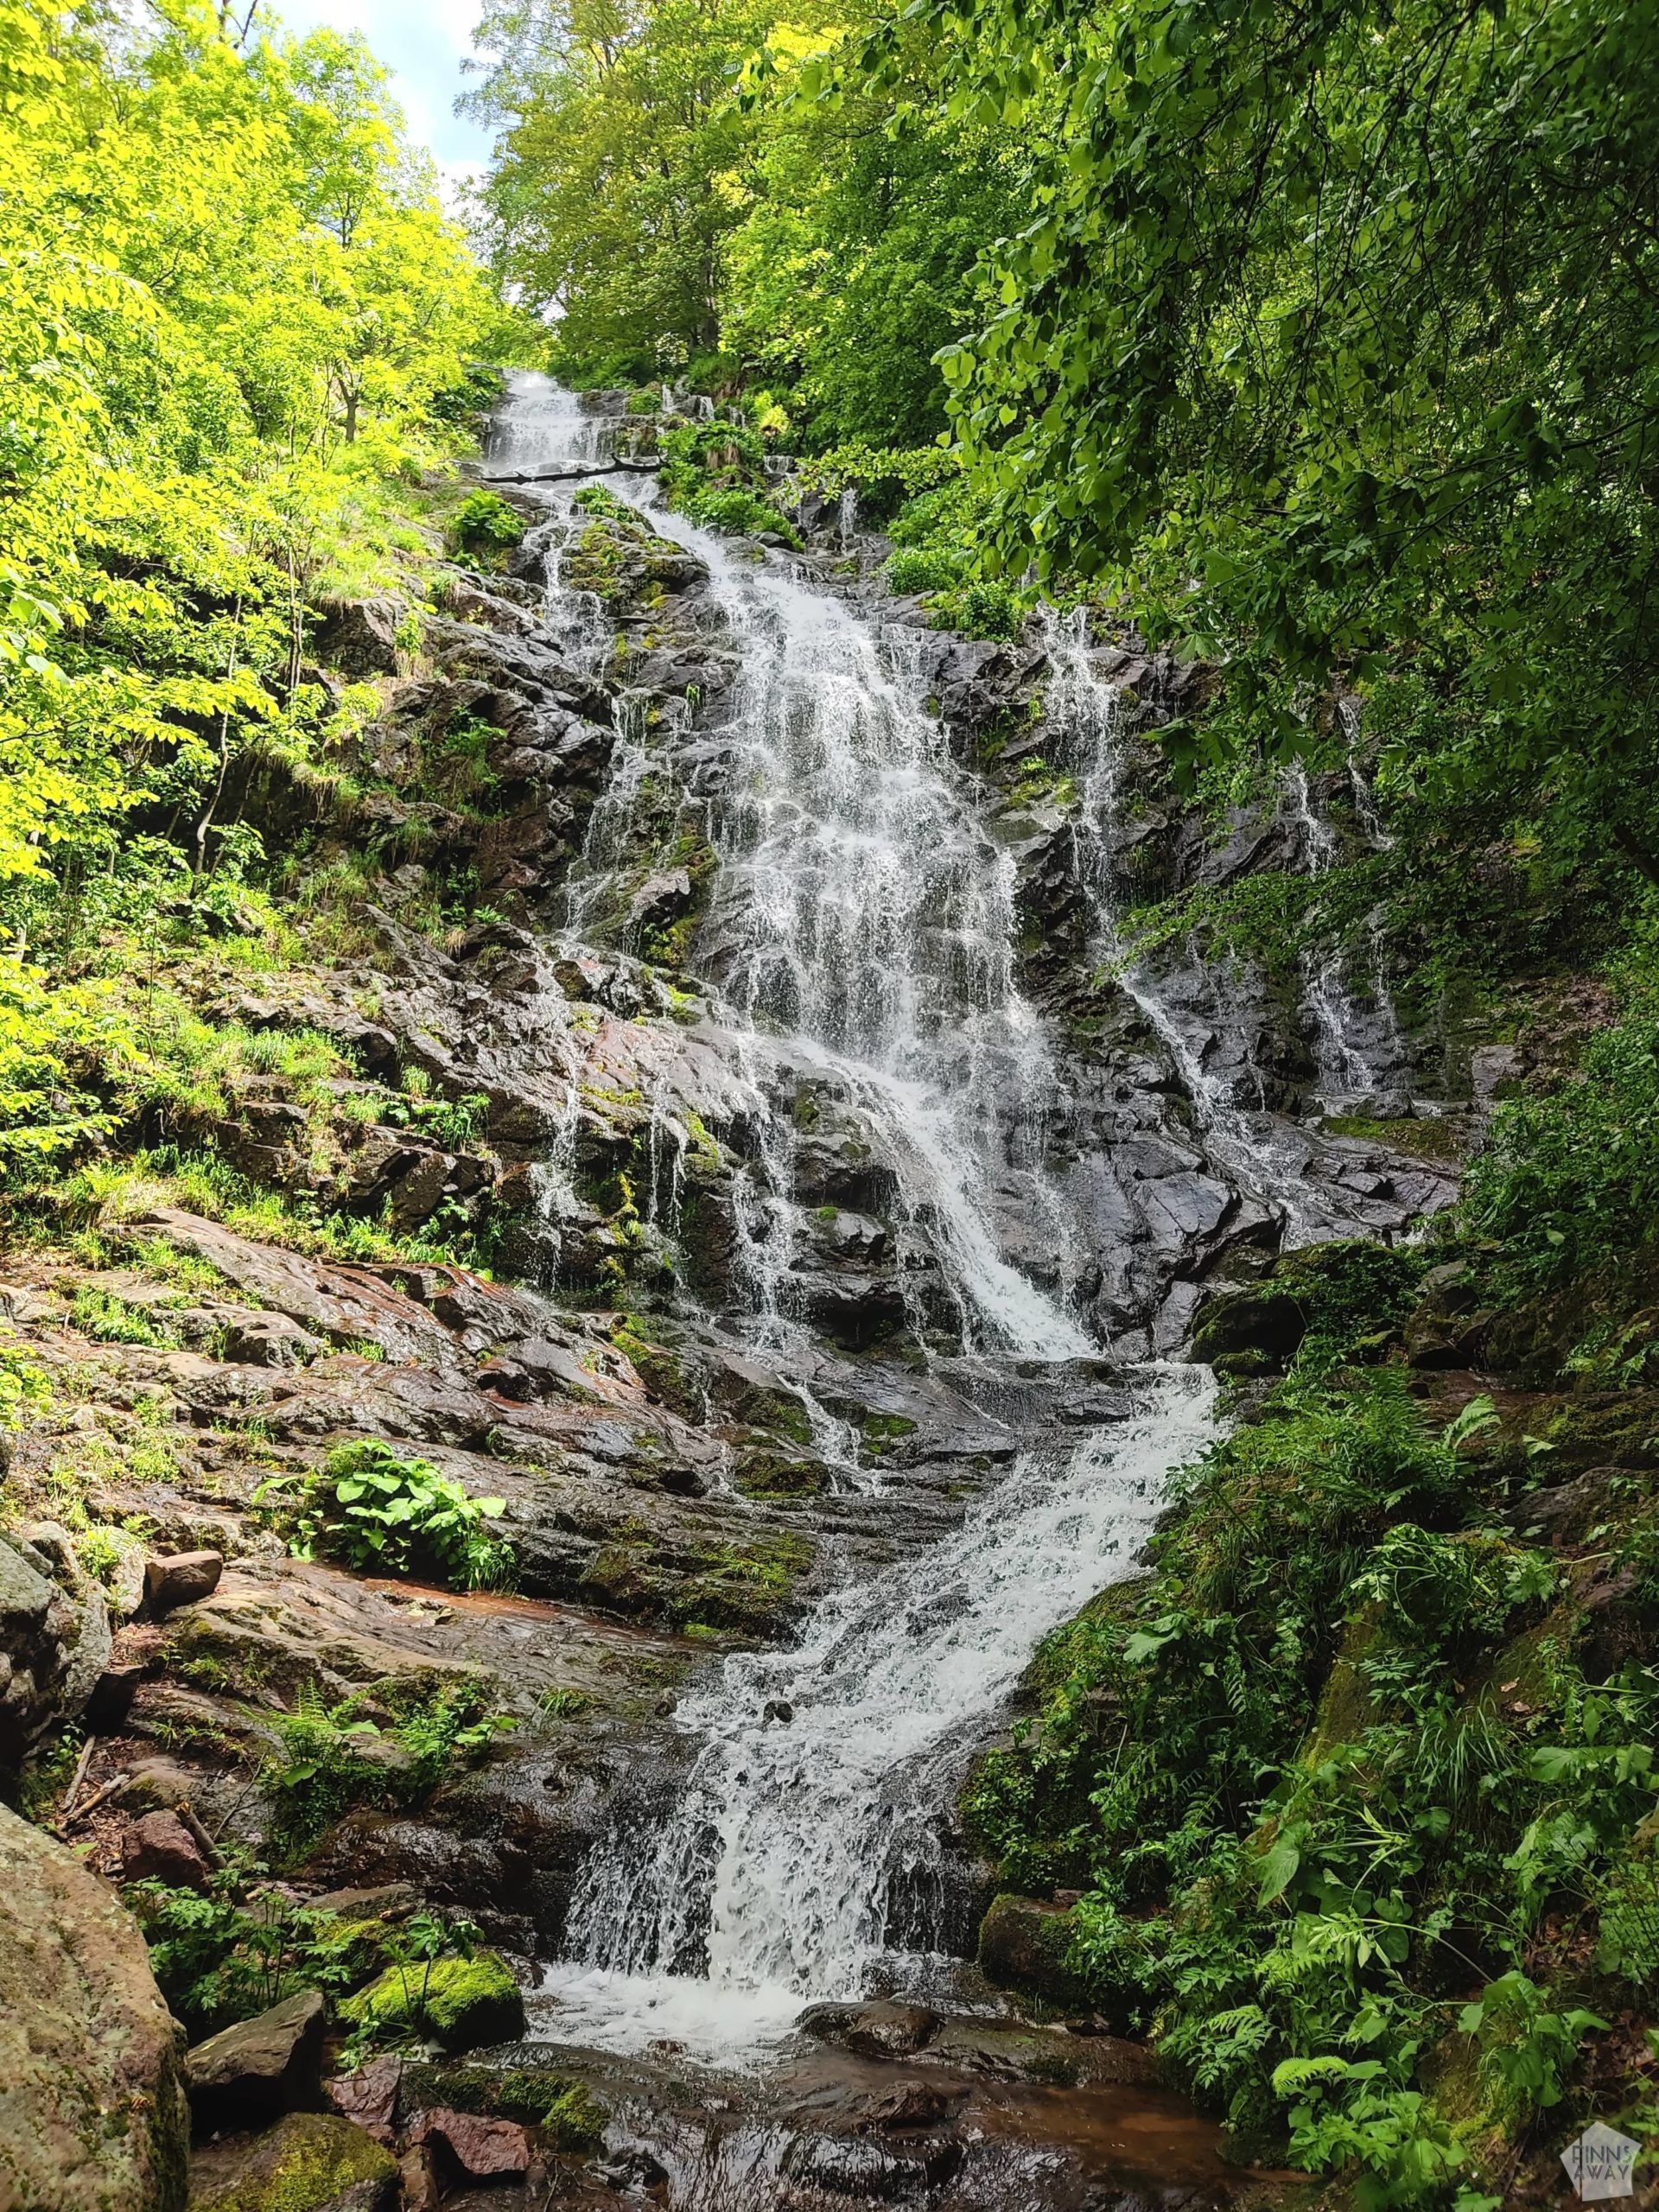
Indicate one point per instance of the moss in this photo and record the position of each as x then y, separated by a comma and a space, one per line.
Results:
1432, 1140
306, 2164
1345, 1705
745, 1586
766, 1474
458, 2002
881, 1432
563, 2108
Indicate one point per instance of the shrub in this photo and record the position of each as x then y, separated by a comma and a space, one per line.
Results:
376, 1511
102, 1315
1570, 1178
485, 528
217, 1958
332, 1758
739, 511
924, 567
981, 610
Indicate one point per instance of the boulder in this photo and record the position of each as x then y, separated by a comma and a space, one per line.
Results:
37, 1634
660, 899
160, 1848
257, 2070
1024, 1943
52, 1548
467, 2148
181, 1579
460, 2003
309, 2162
270, 1340
92, 2110
1265, 1320
888, 2030
369, 2097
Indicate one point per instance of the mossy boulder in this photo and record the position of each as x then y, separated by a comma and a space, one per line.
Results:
1348, 1289
1262, 1324
459, 2002
534, 2098
310, 2162
1025, 1943
92, 2112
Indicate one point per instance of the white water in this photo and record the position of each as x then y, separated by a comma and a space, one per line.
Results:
774, 1883
864, 922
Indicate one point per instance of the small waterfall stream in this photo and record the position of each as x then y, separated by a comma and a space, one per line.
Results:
861, 930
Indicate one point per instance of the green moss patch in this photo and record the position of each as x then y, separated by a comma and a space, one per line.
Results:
459, 2002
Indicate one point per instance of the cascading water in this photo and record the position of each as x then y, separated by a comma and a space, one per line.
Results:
861, 934
867, 921
800, 1847
1260, 1153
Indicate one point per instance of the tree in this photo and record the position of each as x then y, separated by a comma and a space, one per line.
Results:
613, 191
1334, 339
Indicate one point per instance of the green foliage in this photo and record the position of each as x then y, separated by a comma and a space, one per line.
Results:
1569, 1178
610, 195
485, 528
740, 511
923, 569
983, 610
1334, 1753
25, 1389
1272, 348
381, 1513
334, 1757
115, 1320
237, 1947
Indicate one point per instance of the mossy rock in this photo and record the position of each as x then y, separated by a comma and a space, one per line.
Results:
767, 1474
562, 2109
459, 2002
1343, 1289
1265, 1324
1025, 1943
310, 2162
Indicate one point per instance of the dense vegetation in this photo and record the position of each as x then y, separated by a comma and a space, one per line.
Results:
235, 327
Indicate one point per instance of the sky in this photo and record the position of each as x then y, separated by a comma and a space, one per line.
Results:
423, 46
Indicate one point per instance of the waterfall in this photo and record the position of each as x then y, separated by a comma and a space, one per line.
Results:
867, 922
1088, 711
860, 937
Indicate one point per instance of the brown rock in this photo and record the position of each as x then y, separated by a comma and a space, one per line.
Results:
369, 2097
911, 2104
420, 2180
160, 1848
386, 1900
181, 1579
467, 2148
270, 1340
92, 2112
890, 2031
257, 2070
